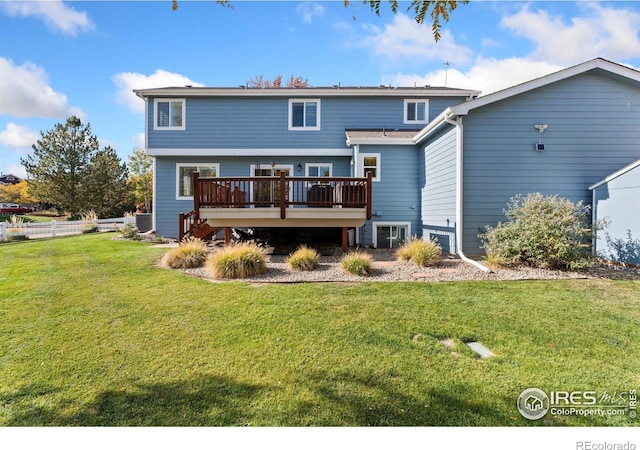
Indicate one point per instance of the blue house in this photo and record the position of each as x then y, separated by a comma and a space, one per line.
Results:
387, 163
290, 158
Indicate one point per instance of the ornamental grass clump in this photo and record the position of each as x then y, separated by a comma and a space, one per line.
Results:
548, 232
237, 261
304, 259
420, 252
358, 263
191, 253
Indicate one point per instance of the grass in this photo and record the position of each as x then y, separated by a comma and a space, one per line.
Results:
92, 332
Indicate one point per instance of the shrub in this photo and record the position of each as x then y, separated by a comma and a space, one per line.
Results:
357, 263
130, 231
237, 261
422, 253
304, 258
542, 231
191, 252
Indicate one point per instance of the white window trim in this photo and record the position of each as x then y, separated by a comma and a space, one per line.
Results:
252, 172
361, 157
416, 100
196, 165
305, 101
375, 226
169, 100
307, 166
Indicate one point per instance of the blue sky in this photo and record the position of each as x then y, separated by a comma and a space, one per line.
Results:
58, 58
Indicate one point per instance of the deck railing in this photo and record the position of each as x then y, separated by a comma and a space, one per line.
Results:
282, 192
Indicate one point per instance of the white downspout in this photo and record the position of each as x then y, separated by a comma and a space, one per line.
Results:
459, 194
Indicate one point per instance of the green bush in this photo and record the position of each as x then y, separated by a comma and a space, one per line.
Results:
237, 261
130, 231
304, 258
357, 263
191, 252
422, 253
542, 231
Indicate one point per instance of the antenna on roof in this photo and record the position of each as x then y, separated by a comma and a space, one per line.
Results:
446, 63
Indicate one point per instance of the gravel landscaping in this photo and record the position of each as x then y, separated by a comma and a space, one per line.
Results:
387, 268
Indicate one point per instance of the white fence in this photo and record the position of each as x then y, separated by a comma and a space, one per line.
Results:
55, 228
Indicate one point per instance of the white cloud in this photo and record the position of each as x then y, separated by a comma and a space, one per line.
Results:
309, 10
403, 38
17, 137
54, 13
602, 31
127, 81
14, 169
486, 75
25, 92
139, 141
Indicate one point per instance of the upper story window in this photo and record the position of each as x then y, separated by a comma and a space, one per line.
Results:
416, 111
304, 114
169, 114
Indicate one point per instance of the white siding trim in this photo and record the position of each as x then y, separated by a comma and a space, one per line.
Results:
249, 151
615, 175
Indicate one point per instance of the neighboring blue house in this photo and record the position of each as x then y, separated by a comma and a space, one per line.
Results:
616, 201
444, 162
557, 134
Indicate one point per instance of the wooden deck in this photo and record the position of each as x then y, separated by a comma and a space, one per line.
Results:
262, 202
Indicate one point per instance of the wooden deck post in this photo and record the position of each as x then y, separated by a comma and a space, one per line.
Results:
345, 240
227, 235
369, 194
181, 229
283, 205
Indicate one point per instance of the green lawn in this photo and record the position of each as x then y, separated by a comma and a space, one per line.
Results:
93, 333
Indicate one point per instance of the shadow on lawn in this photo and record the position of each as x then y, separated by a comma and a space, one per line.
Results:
201, 401
355, 399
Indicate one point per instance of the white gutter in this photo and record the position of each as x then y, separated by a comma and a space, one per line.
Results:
459, 228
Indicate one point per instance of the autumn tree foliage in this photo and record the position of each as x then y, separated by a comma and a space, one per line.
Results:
261, 82
16, 193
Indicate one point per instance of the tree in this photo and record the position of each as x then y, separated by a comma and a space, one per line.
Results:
260, 82
107, 183
67, 169
141, 177
438, 10
16, 193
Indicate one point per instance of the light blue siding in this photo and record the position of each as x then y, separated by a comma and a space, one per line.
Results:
396, 197
618, 203
168, 209
593, 130
438, 190
226, 123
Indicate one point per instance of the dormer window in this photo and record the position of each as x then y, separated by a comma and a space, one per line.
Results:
416, 111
